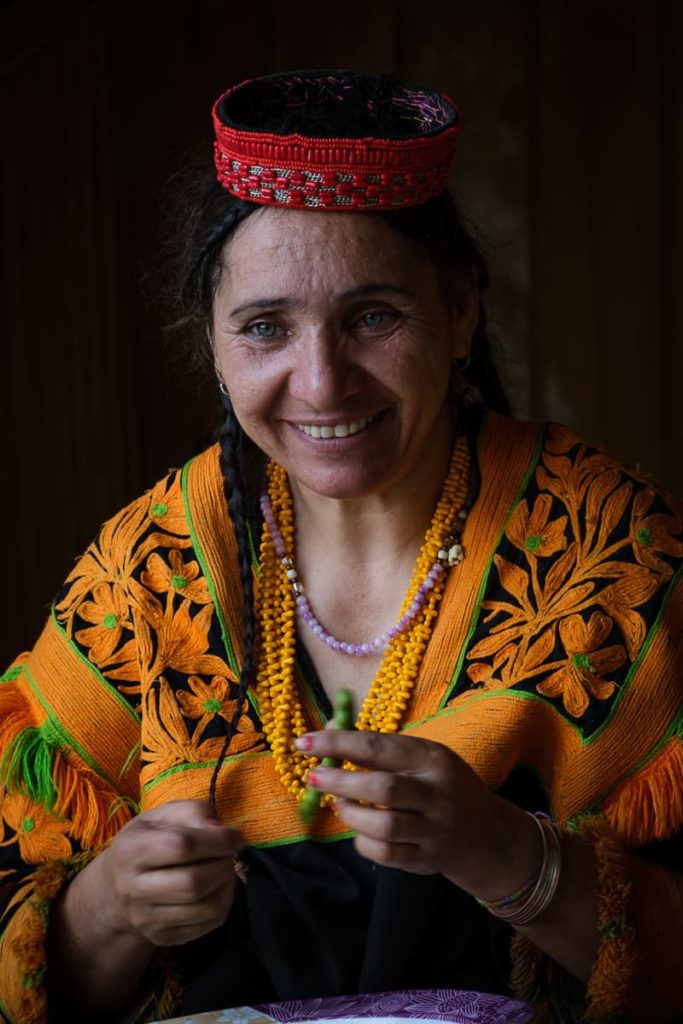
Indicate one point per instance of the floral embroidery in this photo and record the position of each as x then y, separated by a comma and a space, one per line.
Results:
124, 544
532, 532
108, 612
167, 741
40, 836
166, 507
585, 550
206, 700
586, 665
176, 575
652, 535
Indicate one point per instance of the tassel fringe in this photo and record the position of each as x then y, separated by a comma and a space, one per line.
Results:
649, 805
22, 966
33, 762
609, 987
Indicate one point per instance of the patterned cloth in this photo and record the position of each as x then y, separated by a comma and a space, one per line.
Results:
558, 648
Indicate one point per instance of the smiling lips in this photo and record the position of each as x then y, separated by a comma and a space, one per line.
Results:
330, 430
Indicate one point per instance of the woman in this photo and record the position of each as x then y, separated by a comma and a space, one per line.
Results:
500, 599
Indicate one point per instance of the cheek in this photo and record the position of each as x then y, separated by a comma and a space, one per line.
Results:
252, 381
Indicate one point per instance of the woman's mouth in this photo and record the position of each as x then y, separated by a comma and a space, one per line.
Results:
344, 428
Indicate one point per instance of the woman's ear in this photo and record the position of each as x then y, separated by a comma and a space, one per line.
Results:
465, 317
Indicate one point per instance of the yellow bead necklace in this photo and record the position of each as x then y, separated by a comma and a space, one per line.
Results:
387, 700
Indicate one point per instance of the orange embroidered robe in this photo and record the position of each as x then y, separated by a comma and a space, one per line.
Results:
559, 647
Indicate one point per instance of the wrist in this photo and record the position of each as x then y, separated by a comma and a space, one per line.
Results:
508, 856
90, 912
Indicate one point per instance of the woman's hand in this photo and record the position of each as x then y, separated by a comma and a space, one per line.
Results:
168, 876
420, 807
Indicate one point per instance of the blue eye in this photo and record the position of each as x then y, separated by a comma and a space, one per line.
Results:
263, 329
372, 319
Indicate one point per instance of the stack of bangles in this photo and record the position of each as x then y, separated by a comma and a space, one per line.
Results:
535, 896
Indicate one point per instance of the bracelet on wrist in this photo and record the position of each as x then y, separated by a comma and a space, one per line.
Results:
535, 896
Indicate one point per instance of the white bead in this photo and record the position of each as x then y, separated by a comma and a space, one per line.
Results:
291, 574
455, 554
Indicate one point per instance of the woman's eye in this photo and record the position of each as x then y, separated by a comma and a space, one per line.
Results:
262, 329
375, 318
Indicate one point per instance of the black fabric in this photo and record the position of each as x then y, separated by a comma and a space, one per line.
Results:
337, 104
316, 919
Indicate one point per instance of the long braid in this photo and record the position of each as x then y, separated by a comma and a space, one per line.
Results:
235, 476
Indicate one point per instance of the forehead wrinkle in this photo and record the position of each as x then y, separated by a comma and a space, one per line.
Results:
278, 254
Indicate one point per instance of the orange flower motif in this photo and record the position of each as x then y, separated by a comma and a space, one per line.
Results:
41, 836
206, 700
533, 533
586, 666
109, 614
183, 643
166, 507
120, 548
175, 575
653, 535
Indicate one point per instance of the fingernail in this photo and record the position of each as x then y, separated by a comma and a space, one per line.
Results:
314, 779
304, 742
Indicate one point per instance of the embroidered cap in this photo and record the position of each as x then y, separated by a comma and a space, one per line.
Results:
334, 140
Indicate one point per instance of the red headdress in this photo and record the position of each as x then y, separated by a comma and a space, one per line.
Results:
334, 140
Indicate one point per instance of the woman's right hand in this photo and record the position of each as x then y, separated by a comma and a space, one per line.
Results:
168, 876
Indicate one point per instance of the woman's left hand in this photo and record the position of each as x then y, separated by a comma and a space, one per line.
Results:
420, 807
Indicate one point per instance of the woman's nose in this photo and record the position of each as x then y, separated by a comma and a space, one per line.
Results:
322, 374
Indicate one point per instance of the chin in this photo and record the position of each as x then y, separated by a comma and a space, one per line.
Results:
344, 484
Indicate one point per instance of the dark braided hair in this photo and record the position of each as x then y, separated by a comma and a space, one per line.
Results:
209, 216
233, 466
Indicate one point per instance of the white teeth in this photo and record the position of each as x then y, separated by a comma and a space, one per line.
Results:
338, 430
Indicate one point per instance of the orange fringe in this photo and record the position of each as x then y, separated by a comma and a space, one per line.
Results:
23, 962
94, 811
617, 959
96, 814
609, 988
527, 977
649, 805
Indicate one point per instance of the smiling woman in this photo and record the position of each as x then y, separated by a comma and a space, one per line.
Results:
502, 601
323, 322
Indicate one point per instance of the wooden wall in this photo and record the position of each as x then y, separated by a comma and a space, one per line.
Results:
570, 163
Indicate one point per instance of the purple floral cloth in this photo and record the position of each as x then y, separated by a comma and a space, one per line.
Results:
447, 1005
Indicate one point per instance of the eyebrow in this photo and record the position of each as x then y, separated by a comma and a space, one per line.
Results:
283, 301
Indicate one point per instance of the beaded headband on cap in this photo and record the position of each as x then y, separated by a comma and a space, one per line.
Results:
334, 140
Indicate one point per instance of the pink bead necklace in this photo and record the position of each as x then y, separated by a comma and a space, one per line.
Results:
450, 553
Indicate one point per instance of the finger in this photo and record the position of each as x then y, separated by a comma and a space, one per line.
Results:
387, 826
185, 813
152, 846
373, 749
388, 789
185, 885
406, 856
166, 924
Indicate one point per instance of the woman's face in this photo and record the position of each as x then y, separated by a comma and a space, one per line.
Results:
335, 343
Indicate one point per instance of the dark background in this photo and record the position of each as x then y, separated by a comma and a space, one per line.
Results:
570, 162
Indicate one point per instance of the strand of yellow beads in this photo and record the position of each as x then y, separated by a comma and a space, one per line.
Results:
389, 695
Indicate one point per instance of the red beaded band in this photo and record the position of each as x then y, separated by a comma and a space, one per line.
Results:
332, 173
